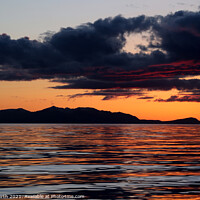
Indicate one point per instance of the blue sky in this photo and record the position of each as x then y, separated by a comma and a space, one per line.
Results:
21, 18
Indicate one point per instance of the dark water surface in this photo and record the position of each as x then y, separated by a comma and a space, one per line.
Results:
101, 161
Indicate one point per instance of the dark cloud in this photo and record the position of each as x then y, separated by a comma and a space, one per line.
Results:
145, 97
179, 35
187, 95
190, 92
180, 99
103, 37
92, 56
153, 84
111, 93
71, 50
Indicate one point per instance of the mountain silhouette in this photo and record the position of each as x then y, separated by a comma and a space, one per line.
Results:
79, 115
189, 120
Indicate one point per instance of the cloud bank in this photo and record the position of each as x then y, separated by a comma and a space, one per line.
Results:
92, 56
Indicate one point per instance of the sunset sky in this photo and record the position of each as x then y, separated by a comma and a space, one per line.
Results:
134, 56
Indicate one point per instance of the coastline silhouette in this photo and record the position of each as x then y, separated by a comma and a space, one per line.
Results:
79, 115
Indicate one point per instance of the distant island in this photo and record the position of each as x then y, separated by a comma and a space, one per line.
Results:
79, 115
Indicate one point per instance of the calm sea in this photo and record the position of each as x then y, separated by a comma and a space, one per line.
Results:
153, 162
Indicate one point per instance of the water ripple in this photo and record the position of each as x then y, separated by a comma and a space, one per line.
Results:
104, 161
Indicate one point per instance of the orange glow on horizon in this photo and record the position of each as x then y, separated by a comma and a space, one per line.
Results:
36, 95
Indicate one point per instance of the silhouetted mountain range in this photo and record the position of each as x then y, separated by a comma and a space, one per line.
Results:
79, 115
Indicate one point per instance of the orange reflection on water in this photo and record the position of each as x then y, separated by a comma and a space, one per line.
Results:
135, 159
175, 197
